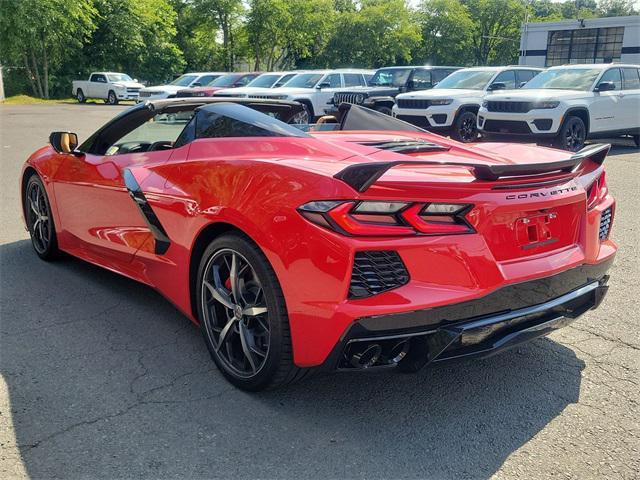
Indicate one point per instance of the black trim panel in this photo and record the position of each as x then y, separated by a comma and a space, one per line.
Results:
533, 53
628, 50
157, 230
508, 298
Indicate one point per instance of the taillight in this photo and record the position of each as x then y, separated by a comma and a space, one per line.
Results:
597, 192
371, 218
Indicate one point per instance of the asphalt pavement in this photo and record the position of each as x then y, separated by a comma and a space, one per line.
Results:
101, 378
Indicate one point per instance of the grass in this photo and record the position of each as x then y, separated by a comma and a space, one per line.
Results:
27, 100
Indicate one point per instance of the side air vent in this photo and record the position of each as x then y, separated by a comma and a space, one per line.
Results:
605, 224
376, 272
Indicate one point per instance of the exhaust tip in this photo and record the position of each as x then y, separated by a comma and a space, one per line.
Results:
368, 357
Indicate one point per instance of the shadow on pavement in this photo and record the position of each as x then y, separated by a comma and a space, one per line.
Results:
108, 380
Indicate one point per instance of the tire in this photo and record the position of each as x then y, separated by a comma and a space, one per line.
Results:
304, 117
384, 109
572, 135
80, 96
112, 99
465, 127
636, 138
37, 212
267, 331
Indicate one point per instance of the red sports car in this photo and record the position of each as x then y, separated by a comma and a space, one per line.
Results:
357, 243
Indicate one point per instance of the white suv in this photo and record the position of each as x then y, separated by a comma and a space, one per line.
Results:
314, 88
266, 80
188, 80
451, 106
567, 105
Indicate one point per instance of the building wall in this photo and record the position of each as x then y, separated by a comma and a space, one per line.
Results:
534, 37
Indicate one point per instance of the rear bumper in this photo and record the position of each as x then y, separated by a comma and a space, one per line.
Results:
478, 328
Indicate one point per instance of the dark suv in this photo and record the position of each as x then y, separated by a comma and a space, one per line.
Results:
388, 82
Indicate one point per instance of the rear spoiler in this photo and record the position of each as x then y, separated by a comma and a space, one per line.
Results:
360, 176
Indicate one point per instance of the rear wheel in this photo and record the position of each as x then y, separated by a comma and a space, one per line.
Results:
465, 128
572, 135
112, 99
80, 96
39, 220
243, 315
636, 138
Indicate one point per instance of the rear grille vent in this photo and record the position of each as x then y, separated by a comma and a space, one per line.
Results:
375, 272
605, 224
413, 103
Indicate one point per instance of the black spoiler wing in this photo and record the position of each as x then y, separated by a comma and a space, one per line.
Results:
361, 176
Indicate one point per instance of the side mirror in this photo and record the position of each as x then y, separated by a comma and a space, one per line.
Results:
135, 79
63, 142
522, 84
605, 87
196, 84
497, 86
322, 85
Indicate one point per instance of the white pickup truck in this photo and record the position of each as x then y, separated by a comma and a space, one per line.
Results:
108, 86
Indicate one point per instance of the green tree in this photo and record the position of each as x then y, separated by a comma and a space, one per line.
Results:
137, 37
496, 30
40, 35
380, 32
284, 33
446, 33
616, 8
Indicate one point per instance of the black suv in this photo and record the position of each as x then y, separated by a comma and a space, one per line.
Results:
388, 82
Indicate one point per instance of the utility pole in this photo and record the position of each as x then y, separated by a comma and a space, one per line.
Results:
1, 86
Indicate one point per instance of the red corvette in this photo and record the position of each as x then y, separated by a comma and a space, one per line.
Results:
357, 244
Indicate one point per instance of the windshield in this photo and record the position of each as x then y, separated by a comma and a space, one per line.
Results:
119, 77
565, 79
390, 77
224, 81
184, 80
469, 79
265, 81
304, 80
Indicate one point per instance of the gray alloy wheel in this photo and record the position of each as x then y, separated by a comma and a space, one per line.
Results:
303, 117
572, 134
39, 219
235, 313
466, 128
111, 98
80, 96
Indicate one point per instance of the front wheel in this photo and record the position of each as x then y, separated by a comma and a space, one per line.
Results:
572, 135
384, 109
112, 99
465, 128
243, 316
39, 220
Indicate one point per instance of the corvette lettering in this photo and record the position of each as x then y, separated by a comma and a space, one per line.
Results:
551, 193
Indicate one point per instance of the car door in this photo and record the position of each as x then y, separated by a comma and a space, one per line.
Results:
606, 111
631, 97
323, 95
97, 213
508, 78
97, 84
420, 79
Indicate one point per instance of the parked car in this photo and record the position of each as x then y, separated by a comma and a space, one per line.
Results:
108, 86
266, 80
388, 82
195, 79
315, 88
568, 105
452, 105
356, 249
230, 80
